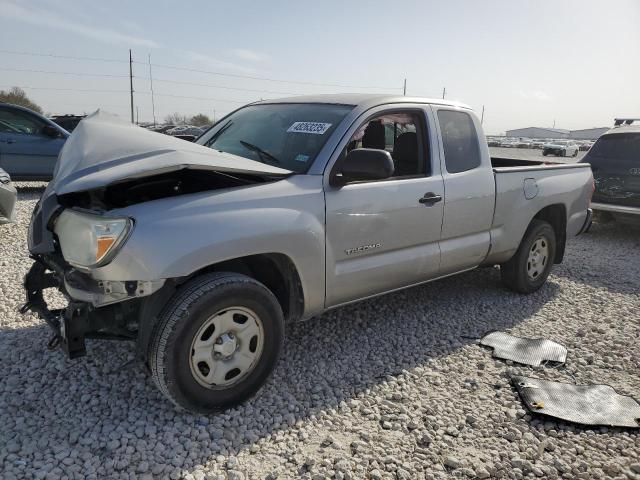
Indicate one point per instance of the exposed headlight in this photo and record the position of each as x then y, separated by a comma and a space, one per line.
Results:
90, 240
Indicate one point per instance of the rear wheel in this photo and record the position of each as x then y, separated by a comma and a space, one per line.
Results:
529, 268
216, 342
563, 153
575, 153
544, 153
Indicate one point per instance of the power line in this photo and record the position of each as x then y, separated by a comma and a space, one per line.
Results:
223, 87
208, 72
265, 79
243, 102
92, 90
177, 82
69, 57
70, 89
79, 74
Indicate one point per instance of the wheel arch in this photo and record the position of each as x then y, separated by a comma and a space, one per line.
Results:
275, 270
556, 216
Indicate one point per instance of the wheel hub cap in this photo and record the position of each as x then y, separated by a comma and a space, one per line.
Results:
538, 258
225, 345
226, 348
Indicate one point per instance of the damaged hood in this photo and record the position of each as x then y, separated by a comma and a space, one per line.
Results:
104, 149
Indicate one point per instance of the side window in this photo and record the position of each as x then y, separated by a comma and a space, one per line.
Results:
12, 121
460, 140
399, 133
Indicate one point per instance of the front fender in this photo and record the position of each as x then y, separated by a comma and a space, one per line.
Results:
178, 236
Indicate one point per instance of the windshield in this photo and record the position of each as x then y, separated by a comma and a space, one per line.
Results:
285, 135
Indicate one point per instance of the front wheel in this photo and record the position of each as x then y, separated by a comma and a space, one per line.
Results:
530, 266
575, 153
216, 342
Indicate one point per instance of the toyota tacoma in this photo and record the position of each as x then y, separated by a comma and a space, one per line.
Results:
202, 252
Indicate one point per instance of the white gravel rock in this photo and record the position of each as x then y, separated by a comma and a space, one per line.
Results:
394, 387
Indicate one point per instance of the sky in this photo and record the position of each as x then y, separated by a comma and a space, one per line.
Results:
575, 63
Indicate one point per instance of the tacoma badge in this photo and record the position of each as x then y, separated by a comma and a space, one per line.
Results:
362, 248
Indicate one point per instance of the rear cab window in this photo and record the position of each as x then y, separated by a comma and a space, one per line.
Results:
460, 141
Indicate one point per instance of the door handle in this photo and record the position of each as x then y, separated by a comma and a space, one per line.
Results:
429, 199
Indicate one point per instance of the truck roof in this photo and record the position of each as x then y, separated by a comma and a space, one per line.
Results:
362, 100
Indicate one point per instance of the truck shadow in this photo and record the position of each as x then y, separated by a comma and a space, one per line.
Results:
92, 407
608, 246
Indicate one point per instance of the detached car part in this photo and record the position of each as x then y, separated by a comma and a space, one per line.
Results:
528, 351
583, 404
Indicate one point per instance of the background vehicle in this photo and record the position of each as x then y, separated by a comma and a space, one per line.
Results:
8, 197
615, 162
29, 143
560, 148
284, 209
68, 122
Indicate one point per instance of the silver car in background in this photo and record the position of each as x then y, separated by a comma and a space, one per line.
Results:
8, 196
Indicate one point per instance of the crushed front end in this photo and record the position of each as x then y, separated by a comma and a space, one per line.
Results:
70, 325
96, 308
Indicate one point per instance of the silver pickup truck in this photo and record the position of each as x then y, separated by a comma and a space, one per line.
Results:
201, 252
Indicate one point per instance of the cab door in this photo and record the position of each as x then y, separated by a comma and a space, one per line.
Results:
384, 235
470, 186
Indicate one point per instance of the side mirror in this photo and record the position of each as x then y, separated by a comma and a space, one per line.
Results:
363, 164
50, 131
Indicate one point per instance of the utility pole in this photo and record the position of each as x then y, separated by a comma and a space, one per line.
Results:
482, 117
153, 105
131, 82
444, 91
214, 115
554, 123
404, 90
137, 116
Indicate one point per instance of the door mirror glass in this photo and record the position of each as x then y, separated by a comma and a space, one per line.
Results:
363, 164
50, 131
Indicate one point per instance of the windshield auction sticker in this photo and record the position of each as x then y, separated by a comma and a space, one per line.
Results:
316, 128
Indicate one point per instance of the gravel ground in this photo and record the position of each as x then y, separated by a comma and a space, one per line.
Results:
395, 387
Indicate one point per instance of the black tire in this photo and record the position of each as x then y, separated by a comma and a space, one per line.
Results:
515, 272
185, 313
563, 153
544, 153
575, 154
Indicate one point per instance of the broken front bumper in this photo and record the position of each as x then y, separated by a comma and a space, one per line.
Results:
95, 309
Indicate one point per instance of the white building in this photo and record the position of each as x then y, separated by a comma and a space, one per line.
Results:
588, 133
537, 132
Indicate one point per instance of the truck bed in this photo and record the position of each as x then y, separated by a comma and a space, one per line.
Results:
514, 162
528, 187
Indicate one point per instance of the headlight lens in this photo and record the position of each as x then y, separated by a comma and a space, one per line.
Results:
90, 240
